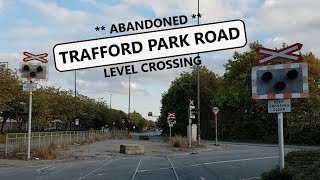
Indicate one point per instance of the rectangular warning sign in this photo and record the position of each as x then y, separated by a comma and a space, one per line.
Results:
149, 45
279, 106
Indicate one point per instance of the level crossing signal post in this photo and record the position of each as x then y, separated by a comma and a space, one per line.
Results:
192, 111
31, 73
171, 121
279, 83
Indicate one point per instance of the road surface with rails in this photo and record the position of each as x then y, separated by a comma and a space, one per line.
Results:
238, 161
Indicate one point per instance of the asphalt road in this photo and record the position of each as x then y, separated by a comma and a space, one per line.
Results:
237, 161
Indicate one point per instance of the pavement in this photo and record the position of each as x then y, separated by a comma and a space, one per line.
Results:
227, 161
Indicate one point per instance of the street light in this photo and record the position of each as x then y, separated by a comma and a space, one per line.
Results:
110, 100
215, 111
129, 99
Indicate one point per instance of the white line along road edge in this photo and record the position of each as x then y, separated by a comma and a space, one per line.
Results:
149, 45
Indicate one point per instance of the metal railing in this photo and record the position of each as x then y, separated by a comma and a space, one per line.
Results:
17, 142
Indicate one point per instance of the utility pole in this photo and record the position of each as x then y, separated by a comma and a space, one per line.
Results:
75, 83
198, 89
129, 100
110, 100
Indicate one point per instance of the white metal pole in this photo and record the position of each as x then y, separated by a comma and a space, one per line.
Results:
280, 139
190, 133
29, 125
216, 142
170, 130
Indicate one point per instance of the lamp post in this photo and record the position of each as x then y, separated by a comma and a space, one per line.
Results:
114, 130
198, 87
129, 101
110, 100
215, 111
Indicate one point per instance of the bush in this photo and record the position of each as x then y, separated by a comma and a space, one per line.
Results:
277, 174
303, 164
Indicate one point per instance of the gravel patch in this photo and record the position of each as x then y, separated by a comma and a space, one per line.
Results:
110, 148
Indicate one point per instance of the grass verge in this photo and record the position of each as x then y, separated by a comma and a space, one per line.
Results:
52, 151
302, 164
2, 138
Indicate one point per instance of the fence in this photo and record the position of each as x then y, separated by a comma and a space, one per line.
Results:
17, 142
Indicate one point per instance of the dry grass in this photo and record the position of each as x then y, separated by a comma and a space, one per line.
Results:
182, 142
179, 141
52, 151
47, 152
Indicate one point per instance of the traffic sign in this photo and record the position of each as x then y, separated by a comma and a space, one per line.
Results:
215, 110
30, 87
280, 81
34, 71
285, 53
191, 103
171, 116
279, 106
38, 57
171, 122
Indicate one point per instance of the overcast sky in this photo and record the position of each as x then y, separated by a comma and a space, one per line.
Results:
37, 25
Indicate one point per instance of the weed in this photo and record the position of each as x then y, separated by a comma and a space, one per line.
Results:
45, 153
179, 141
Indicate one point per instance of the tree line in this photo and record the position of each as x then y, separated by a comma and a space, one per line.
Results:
51, 103
240, 117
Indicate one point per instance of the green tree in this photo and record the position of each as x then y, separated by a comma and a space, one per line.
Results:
138, 121
11, 95
177, 98
151, 125
242, 118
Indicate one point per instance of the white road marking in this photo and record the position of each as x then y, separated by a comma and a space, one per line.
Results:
46, 167
134, 175
147, 170
175, 173
84, 176
237, 160
35, 166
202, 178
250, 178
193, 165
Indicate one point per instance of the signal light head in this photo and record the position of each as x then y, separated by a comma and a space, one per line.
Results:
26, 68
267, 76
33, 74
39, 69
292, 74
280, 85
